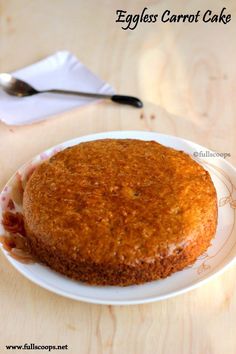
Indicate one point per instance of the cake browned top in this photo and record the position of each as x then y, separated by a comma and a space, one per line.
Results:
118, 201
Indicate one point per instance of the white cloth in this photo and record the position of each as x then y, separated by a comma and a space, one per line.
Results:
59, 71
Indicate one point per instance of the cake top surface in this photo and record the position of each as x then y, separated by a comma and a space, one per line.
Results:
118, 200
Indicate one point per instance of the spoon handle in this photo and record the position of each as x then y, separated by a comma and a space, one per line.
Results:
132, 101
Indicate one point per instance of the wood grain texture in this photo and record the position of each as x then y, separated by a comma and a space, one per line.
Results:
186, 74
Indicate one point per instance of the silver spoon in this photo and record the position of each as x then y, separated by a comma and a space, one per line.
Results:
19, 88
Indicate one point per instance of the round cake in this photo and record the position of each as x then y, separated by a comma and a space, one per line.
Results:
119, 212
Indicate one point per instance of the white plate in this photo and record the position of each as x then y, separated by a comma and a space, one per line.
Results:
217, 258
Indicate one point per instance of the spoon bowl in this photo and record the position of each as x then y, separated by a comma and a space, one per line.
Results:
16, 87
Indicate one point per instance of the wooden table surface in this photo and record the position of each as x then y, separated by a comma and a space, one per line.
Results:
186, 74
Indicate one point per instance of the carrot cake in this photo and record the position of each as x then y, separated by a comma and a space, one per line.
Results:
119, 212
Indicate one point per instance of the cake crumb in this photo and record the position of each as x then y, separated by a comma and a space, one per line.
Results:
142, 115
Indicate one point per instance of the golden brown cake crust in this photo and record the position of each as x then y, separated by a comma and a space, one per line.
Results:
119, 212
